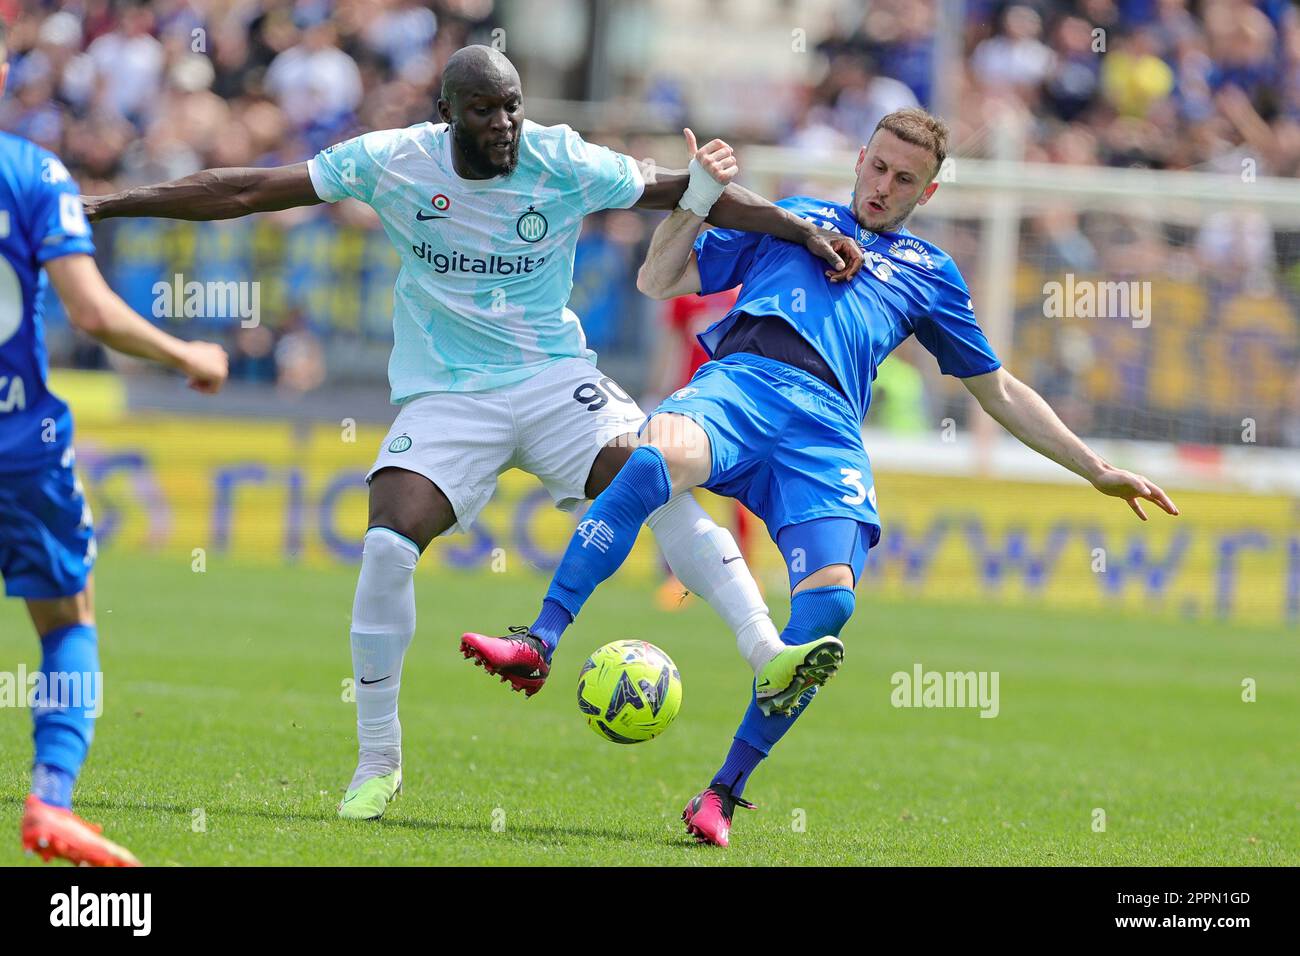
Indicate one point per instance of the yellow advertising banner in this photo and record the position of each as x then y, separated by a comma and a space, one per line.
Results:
276, 492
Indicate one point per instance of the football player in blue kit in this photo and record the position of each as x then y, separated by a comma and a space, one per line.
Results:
774, 420
47, 540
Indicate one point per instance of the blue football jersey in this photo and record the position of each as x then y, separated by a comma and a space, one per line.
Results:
40, 219
907, 286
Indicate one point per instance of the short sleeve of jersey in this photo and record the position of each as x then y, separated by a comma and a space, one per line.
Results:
724, 256
59, 225
950, 332
351, 169
608, 180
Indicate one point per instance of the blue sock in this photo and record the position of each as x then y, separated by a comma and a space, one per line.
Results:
604, 539
550, 624
814, 613
64, 729
52, 785
740, 763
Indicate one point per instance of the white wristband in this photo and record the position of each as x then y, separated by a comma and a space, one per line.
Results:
701, 192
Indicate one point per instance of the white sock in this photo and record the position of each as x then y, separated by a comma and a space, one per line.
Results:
707, 560
383, 623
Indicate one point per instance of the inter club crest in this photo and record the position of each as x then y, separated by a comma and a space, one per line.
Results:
531, 226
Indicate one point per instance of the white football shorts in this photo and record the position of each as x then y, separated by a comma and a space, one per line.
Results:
552, 425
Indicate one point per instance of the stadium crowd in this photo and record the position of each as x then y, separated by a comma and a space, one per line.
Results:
129, 93
1168, 84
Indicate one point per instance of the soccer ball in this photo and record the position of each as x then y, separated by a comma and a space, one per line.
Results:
629, 691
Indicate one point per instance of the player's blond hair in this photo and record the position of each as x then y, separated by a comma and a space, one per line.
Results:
916, 126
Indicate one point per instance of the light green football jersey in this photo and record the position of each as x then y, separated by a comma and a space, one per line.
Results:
487, 265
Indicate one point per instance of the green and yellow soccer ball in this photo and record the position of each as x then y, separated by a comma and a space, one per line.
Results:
629, 691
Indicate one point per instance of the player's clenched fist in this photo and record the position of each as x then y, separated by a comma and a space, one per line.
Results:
206, 365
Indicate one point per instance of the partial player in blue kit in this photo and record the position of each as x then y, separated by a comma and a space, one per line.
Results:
775, 420
47, 538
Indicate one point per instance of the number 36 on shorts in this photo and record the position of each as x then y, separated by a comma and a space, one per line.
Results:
859, 493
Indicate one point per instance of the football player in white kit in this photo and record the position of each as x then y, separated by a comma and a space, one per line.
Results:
490, 369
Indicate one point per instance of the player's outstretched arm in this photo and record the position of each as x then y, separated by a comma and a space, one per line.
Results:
670, 268
1023, 412
738, 208
211, 194
97, 310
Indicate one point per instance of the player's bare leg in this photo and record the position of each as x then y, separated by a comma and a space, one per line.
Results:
49, 827
685, 447
407, 511
60, 612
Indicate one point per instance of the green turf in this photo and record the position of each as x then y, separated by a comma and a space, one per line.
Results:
224, 696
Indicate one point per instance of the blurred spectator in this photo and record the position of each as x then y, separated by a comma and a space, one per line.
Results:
1172, 26
1063, 247
253, 357
299, 356
1016, 56
403, 33
1133, 78
859, 96
1277, 146
1243, 44
899, 36
314, 81
128, 65
1073, 83
1236, 251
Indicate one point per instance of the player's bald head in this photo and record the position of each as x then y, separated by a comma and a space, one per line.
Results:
478, 69
483, 106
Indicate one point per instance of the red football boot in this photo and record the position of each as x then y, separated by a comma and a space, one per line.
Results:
56, 832
708, 814
519, 658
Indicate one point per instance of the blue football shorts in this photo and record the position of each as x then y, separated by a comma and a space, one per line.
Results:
787, 446
47, 538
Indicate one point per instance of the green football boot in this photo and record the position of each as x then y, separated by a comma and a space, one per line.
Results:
797, 669
368, 801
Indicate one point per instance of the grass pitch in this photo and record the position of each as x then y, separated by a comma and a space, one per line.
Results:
226, 739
